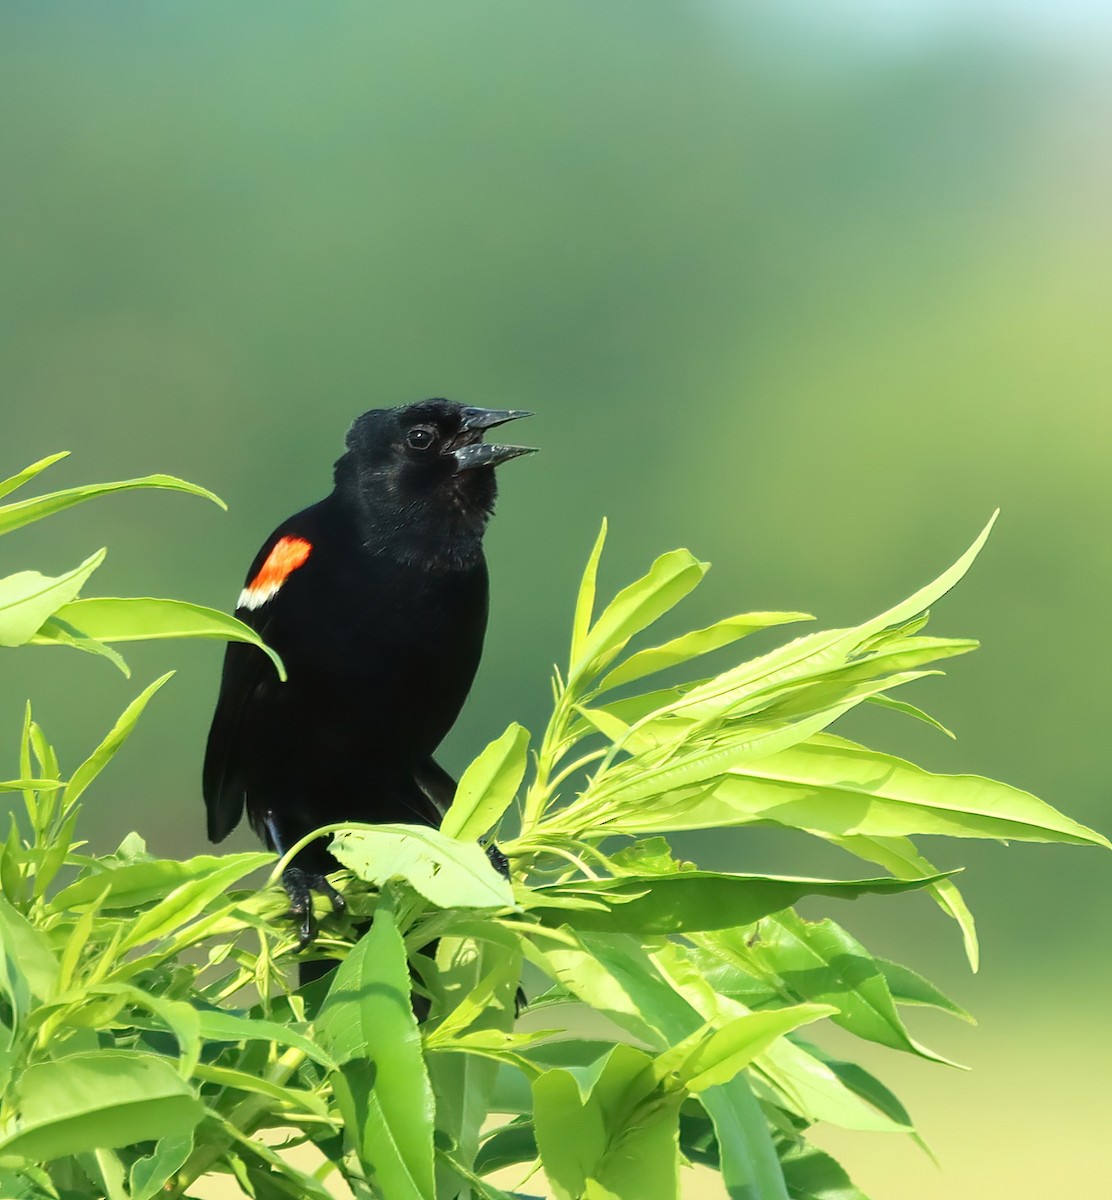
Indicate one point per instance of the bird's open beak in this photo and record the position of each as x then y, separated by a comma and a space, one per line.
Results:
474, 453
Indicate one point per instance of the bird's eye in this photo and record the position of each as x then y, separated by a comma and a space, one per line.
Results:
420, 438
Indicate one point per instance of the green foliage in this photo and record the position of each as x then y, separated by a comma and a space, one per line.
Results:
149, 1035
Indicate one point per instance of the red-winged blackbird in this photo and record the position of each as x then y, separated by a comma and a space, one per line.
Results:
376, 599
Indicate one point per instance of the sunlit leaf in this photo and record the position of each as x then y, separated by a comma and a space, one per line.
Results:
62, 633
188, 900
12, 516
715, 1054
27, 598
144, 618
131, 884
448, 873
637, 606
823, 963
692, 645
117, 735
488, 787
899, 855
613, 1136
104, 1099
909, 987
367, 1024
585, 601
28, 473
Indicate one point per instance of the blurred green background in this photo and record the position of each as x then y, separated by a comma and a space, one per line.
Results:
810, 292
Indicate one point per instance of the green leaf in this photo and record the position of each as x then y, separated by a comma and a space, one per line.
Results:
615, 1138
144, 618
150, 1175
106, 751
297, 1099
131, 884
911, 988
747, 1155
17, 481
821, 962
866, 1087
829, 786
12, 516
447, 873
478, 979
367, 1024
715, 1054
692, 645
910, 710
689, 901
637, 606
899, 855
488, 787
106, 1099
191, 898
809, 1087
818, 653
507, 1145
28, 967
812, 1174
220, 1026
62, 633
585, 601
27, 598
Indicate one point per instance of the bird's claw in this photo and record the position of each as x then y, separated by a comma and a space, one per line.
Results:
300, 888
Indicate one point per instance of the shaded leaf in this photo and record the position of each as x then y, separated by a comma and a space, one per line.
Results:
690, 901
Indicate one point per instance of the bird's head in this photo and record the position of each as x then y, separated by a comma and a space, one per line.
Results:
425, 470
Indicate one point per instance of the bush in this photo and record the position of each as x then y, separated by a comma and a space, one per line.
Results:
151, 1036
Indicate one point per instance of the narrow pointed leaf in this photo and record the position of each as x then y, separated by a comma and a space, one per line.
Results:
821, 962
488, 786
585, 601
28, 473
899, 855
62, 633
713, 1056
692, 645
637, 606
12, 516
690, 901
131, 884
117, 735
144, 618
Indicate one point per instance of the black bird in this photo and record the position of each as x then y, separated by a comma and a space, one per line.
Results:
376, 599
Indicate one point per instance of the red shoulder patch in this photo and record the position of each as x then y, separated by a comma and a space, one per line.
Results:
288, 554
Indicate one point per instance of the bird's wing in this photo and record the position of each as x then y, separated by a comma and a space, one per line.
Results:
246, 669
